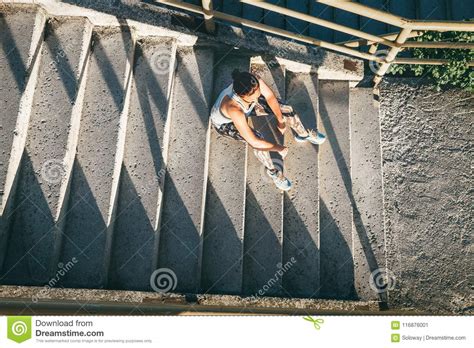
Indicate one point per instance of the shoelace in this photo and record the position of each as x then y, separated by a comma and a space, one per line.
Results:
312, 133
279, 177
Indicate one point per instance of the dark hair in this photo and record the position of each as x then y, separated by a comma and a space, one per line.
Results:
245, 83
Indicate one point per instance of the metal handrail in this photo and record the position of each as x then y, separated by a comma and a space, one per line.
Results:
389, 18
395, 41
277, 31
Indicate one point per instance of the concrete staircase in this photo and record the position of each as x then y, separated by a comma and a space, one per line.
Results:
108, 161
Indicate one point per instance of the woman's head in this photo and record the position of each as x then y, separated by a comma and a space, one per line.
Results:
246, 85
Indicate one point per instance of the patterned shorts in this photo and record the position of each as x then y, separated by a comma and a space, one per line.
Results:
261, 108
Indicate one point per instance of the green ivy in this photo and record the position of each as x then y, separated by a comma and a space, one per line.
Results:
454, 74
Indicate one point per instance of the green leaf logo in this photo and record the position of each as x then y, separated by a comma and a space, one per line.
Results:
316, 322
19, 329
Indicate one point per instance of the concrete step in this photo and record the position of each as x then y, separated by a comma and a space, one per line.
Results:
366, 168
264, 202
35, 237
225, 202
21, 36
98, 160
148, 185
300, 214
337, 272
323, 12
135, 241
184, 190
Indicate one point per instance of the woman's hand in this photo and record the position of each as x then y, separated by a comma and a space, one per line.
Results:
281, 127
283, 152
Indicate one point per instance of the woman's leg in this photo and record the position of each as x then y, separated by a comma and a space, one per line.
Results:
229, 130
295, 123
290, 117
263, 156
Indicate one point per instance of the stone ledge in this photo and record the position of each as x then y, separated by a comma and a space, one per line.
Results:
28, 295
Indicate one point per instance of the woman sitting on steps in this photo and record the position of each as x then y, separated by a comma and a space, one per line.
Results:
248, 96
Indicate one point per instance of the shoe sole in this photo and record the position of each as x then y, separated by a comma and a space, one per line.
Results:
303, 140
283, 189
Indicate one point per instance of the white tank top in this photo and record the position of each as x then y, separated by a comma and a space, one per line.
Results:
217, 117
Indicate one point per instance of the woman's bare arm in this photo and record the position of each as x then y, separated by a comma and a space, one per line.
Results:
271, 100
240, 122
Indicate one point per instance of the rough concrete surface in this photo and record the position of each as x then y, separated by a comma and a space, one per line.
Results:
366, 193
33, 232
301, 203
94, 299
335, 211
180, 231
264, 202
427, 144
135, 236
225, 202
91, 187
17, 30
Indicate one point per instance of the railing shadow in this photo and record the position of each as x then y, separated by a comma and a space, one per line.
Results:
344, 171
32, 234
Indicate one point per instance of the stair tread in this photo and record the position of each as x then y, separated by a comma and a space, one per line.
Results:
225, 202
42, 167
180, 230
368, 226
263, 204
135, 235
300, 216
337, 274
17, 30
87, 233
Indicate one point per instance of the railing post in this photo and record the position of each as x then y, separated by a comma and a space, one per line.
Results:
208, 21
401, 38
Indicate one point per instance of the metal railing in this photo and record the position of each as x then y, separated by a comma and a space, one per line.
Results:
395, 41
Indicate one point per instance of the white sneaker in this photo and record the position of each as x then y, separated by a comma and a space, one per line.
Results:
280, 181
314, 137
